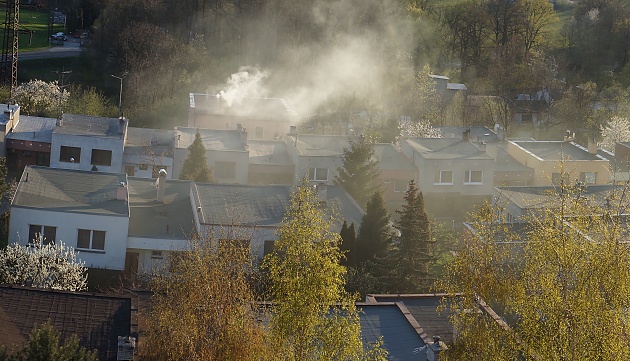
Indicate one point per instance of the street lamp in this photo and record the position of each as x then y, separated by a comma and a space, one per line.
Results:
120, 95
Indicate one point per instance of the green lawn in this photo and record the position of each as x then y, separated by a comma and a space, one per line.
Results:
36, 21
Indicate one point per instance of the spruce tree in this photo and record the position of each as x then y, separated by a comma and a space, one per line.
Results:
412, 257
348, 244
359, 171
374, 233
195, 166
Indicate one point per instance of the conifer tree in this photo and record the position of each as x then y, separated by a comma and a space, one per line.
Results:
313, 317
195, 166
375, 231
412, 255
348, 244
359, 171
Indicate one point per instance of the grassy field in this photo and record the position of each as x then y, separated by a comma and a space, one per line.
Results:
36, 21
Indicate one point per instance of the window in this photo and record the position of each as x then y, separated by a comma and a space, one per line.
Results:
259, 132
473, 177
400, 186
588, 177
157, 255
49, 233
26, 153
130, 170
387, 181
558, 178
444, 177
224, 169
318, 174
143, 166
70, 154
89, 239
101, 157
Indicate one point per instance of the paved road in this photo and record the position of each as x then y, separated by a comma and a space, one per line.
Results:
72, 47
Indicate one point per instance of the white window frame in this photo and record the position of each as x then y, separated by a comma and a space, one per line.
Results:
468, 177
91, 245
315, 177
440, 182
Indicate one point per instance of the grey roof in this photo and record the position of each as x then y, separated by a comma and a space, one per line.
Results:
390, 158
251, 107
145, 141
456, 86
424, 309
547, 196
556, 150
445, 148
224, 204
399, 337
443, 77
213, 139
480, 133
34, 129
74, 124
270, 152
65, 190
152, 219
319, 145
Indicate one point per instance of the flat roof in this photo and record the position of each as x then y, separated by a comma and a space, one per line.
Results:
252, 107
75, 124
149, 142
149, 218
271, 152
446, 148
547, 196
310, 145
33, 129
213, 139
264, 205
74, 191
390, 158
556, 150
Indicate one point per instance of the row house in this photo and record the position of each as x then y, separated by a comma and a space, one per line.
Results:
120, 223
265, 118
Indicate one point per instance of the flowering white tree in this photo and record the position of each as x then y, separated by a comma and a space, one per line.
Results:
422, 129
40, 98
41, 265
616, 130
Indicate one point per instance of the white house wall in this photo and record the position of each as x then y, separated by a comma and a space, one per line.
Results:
134, 160
86, 143
115, 227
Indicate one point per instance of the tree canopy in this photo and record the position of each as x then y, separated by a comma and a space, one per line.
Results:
313, 317
44, 344
195, 165
412, 255
561, 282
52, 265
359, 172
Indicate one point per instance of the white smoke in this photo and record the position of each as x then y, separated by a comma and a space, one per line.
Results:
246, 83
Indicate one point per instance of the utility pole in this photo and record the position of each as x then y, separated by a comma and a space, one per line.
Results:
120, 95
